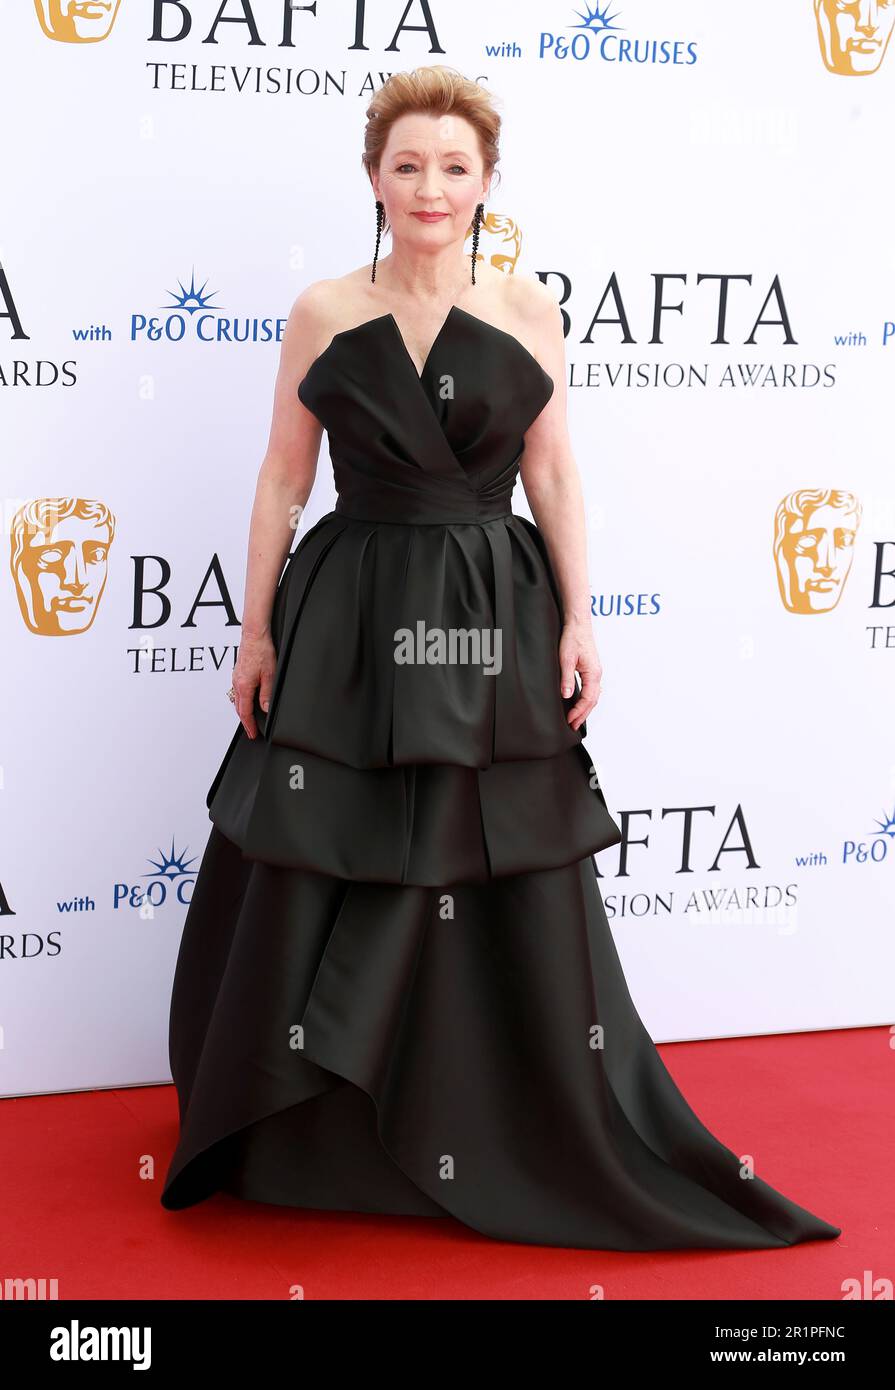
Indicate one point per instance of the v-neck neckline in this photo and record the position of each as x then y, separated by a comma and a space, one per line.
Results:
435, 341
380, 319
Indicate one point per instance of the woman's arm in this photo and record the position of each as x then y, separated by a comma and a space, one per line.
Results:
553, 489
285, 479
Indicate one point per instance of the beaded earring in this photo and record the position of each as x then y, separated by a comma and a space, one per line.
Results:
476, 224
380, 215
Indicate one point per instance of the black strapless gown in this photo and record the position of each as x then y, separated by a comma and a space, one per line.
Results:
397, 989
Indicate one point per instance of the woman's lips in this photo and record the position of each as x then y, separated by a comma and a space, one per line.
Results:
430, 216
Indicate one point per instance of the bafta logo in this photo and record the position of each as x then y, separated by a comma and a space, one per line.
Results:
501, 238
854, 34
77, 21
814, 540
59, 559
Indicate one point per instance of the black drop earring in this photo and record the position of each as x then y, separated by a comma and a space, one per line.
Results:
476, 225
380, 217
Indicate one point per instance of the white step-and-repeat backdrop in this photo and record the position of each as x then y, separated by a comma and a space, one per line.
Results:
707, 190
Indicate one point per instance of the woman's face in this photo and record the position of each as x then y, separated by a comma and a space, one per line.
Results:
430, 165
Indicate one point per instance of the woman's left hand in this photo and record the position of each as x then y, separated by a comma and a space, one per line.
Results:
578, 652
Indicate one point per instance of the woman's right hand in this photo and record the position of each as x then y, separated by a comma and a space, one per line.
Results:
255, 666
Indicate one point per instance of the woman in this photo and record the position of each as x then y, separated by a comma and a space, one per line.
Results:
397, 990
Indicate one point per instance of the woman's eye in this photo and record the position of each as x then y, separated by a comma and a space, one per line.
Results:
403, 167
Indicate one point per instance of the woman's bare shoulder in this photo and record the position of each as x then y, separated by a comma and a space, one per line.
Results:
335, 297
322, 309
530, 301
530, 311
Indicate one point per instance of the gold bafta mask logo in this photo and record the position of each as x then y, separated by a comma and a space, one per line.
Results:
77, 21
503, 240
814, 544
59, 560
854, 34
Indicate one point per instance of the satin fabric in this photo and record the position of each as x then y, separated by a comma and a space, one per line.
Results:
397, 989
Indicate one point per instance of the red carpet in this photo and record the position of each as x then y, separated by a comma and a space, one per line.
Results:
814, 1110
